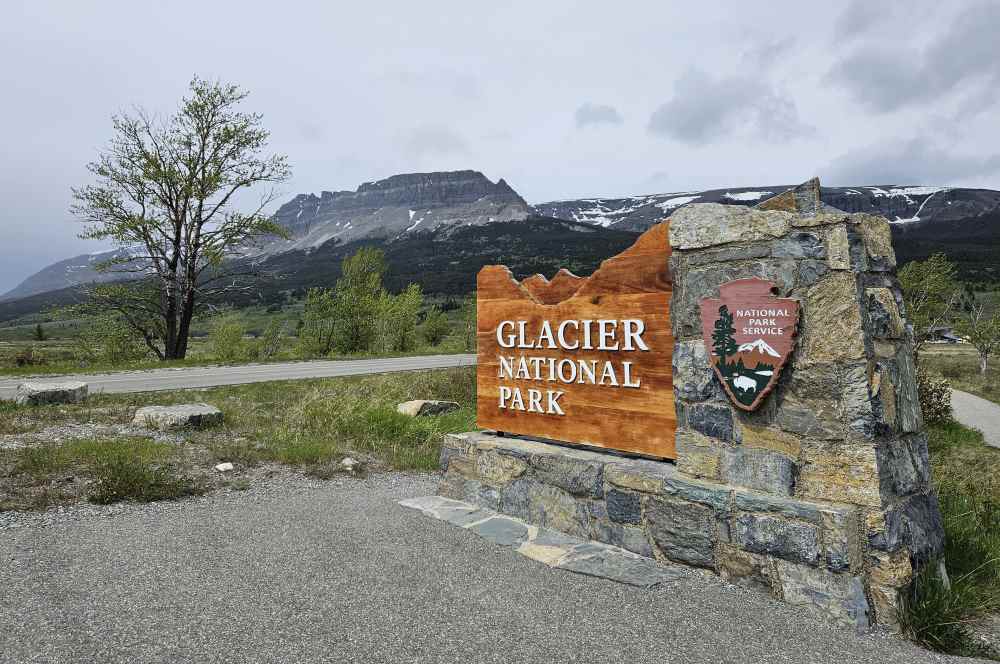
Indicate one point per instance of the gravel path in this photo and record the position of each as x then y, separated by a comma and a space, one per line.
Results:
193, 377
298, 570
978, 413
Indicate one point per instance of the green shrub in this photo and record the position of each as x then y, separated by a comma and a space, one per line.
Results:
109, 339
123, 478
270, 342
316, 327
935, 614
435, 326
396, 319
935, 397
226, 339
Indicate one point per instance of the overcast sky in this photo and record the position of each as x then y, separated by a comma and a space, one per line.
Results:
563, 99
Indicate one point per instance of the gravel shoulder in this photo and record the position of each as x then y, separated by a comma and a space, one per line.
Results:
301, 570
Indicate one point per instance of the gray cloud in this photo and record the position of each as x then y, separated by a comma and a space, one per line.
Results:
705, 109
860, 17
766, 54
433, 140
596, 114
352, 94
914, 161
963, 57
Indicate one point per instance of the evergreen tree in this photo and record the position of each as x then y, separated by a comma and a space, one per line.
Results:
723, 343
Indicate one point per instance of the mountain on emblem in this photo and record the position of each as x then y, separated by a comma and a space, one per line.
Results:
749, 334
759, 346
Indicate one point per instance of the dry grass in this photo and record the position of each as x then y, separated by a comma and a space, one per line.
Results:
959, 363
310, 425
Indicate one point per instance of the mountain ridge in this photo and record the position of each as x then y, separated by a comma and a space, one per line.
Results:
965, 223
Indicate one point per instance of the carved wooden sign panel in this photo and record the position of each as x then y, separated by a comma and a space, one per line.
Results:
581, 360
749, 334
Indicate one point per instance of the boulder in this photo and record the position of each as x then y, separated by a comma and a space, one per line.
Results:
35, 394
421, 407
194, 415
224, 467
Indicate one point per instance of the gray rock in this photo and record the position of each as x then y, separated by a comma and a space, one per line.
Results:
774, 536
578, 476
694, 378
799, 245
39, 393
711, 494
195, 415
714, 421
682, 531
903, 466
224, 467
837, 597
423, 407
760, 469
915, 524
811, 271
624, 506
708, 224
726, 254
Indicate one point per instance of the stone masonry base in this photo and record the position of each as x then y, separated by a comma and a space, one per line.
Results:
805, 553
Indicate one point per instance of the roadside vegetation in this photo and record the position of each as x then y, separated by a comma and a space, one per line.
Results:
309, 426
966, 476
356, 318
957, 616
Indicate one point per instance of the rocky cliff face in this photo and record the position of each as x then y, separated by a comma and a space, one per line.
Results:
396, 205
380, 210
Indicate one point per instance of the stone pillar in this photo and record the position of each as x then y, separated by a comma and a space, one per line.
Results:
832, 503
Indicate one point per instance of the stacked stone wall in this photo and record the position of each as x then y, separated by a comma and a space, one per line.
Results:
842, 426
822, 497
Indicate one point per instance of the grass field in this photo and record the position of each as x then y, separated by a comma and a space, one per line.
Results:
959, 363
309, 425
60, 353
966, 475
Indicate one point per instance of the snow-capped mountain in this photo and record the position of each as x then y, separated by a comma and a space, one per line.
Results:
758, 346
423, 208
899, 204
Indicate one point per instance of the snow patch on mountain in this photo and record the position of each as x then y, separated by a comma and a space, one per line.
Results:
747, 195
676, 201
758, 346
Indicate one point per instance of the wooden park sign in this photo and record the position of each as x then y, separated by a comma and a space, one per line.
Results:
749, 334
581, 360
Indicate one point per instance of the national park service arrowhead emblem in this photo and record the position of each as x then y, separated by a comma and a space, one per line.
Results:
749, 334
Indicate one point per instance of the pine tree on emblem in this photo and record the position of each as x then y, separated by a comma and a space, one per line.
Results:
723, 343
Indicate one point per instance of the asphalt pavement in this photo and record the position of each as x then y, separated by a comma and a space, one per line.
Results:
978, 413
194, 377
303, 571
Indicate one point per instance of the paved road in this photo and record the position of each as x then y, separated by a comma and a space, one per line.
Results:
192, 377
321, 572
978, 413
